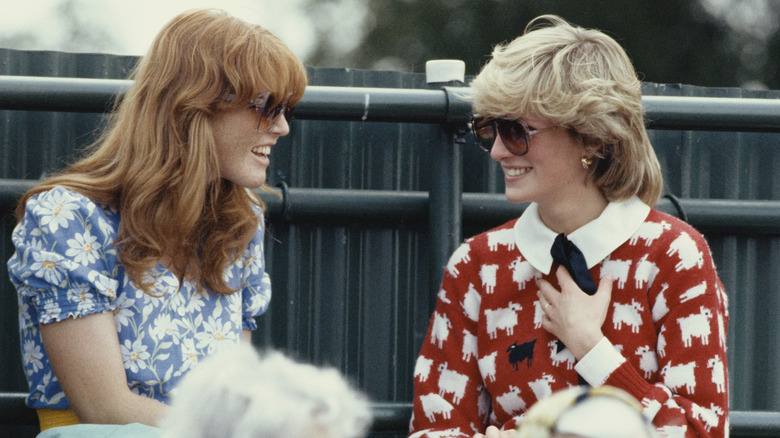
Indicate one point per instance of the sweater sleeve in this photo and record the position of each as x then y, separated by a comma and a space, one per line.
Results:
690, 313
449, 395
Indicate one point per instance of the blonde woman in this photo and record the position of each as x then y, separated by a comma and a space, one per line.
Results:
591, 285
145, 256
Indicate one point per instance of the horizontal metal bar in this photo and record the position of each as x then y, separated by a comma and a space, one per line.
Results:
34, 93
385, 207
712, 113
448, 105
13, 411
394, 417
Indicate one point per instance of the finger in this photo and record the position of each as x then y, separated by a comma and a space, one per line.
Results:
546, 290
605, 287
565, 278
492, 432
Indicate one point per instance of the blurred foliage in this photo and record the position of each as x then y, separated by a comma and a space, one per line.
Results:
670, 41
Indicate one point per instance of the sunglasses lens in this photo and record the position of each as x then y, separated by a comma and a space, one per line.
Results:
515, 136
485, 133
269, 117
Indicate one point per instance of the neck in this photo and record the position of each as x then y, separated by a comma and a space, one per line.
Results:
567, 216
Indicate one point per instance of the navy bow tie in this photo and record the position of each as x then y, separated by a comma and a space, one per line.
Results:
566, 253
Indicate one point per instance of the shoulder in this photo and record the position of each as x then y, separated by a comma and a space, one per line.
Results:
488, 244
60, 214
502, 234
660, 229
60, 200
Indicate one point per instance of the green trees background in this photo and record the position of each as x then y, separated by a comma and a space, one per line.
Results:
716, 43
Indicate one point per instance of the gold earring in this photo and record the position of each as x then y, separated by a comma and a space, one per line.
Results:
586, 162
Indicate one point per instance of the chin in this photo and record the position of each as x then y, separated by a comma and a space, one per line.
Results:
515, 197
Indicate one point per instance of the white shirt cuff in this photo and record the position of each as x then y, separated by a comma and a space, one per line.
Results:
599, 363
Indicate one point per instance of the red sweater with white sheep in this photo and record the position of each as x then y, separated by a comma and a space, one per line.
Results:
486, 358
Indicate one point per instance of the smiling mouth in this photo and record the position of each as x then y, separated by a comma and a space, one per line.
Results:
515, 171
262, 150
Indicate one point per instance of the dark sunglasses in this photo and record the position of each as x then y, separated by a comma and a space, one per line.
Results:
515, 134
268, 115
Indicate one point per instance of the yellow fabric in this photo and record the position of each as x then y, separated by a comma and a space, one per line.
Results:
49, 418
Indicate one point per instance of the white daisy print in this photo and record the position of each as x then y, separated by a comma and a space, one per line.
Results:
212, 332
105, 285
82, 294
56, 210
46, 266
83, 248
253, 260
165, 328
124, 311
32, 356
189, 355
52, 309
134, 355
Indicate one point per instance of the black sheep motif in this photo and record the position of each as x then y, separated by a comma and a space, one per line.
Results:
522, 352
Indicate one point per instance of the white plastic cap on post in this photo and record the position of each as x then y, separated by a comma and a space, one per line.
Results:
445, 70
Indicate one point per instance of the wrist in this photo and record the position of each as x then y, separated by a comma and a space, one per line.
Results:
584, 343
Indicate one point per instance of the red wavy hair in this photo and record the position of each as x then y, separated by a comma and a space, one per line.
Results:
156, 161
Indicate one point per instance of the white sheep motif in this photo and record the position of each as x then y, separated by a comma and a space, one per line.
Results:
628, 314
678, 376
718, 373
487, 273
696, 326
440, 330
504, 237
645, 272
460, 255
504, 319
648, 362
708, 416
564, 355
422, 368
649, 231
471, 303
617, 269
469, 349
511, 402
660, 309
523, 272
451, 382
542, 387
687, 251
694, 292
662, 342
433, 404
538, 314
442, 295
487, 366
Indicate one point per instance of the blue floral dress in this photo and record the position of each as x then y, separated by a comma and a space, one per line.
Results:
65, 265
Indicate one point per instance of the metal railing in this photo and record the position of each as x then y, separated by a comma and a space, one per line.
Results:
444, 208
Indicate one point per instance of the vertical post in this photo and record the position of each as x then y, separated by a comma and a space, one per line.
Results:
445, 212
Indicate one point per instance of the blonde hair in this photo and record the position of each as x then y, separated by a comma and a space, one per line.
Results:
583, 80
156, 161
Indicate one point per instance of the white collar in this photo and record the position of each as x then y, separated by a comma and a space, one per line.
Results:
596, 239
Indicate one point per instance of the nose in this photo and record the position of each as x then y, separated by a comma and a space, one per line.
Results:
499, 151
281, 127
